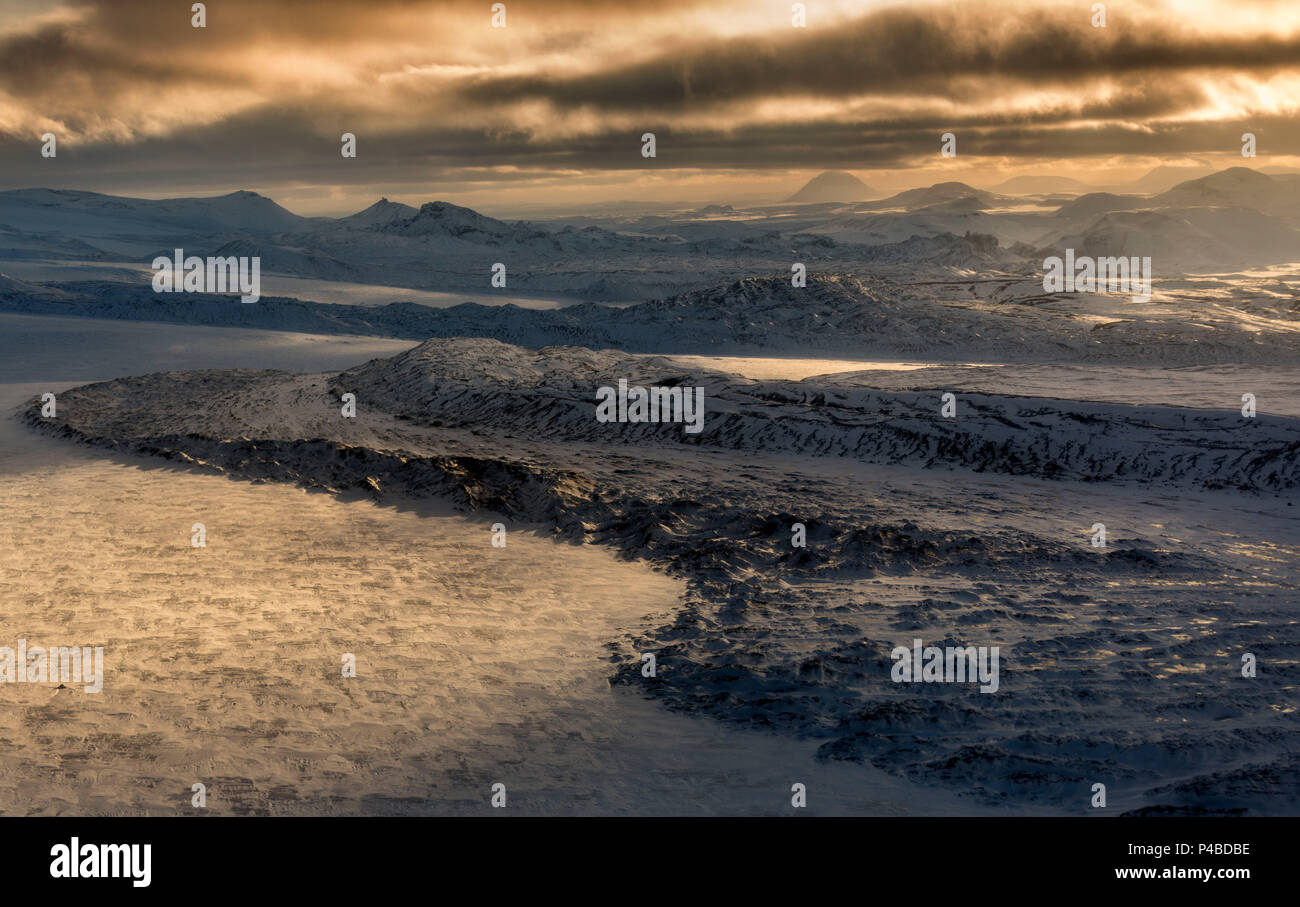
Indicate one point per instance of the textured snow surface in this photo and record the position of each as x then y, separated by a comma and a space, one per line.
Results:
1245, 319
1119, 665
222, 663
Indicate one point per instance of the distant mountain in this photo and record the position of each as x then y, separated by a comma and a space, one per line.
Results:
443, 219
438, 246
1039, 185
1236, 187
242, 210
1095, 203
938, 194
1230, 218
713, 211
93, 214
833, 186
1193, 239
1161, 178
381, 212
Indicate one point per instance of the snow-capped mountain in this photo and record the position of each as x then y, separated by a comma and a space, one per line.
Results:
1236, 187
381, 213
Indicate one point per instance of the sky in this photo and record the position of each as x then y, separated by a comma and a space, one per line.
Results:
550, 109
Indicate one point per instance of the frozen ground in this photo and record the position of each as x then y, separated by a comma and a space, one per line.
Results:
1007, 319
1120, 665
1276, 388
328, 291
61, 350
373, 294
476, 665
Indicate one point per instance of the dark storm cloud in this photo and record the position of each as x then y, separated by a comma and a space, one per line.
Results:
895, 51
47, 60
273, 147
875, 91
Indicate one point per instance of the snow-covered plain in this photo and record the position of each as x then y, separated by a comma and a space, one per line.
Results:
476, 665
1121, 664
315, 290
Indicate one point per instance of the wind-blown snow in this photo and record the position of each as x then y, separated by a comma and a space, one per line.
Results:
1119, 664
